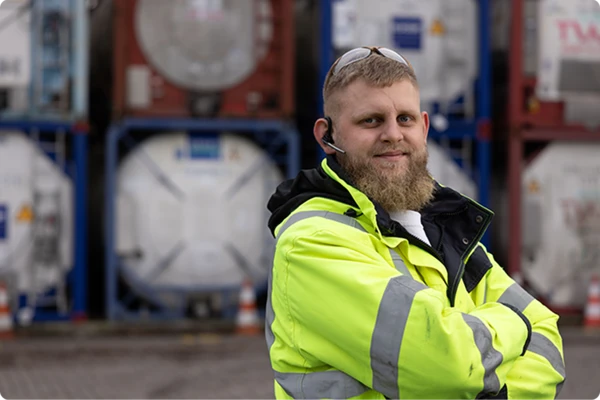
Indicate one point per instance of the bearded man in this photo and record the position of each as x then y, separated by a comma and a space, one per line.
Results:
380, 287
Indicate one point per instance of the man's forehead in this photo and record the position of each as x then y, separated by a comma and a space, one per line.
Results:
364, 96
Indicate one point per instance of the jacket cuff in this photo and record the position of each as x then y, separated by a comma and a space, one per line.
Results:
527, 323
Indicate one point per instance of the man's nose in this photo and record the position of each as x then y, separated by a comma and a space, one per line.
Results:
392, 133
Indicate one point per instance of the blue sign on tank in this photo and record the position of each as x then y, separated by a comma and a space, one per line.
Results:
3, 221
407, 33
204, 146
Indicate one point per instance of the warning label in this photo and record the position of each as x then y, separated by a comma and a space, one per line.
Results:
25, 214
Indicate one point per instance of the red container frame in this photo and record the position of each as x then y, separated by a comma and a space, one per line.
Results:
544, 123
273, 77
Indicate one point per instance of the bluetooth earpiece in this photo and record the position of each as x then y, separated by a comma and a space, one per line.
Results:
328, 138
328, 135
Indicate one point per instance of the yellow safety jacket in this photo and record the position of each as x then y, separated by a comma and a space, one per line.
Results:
359, 308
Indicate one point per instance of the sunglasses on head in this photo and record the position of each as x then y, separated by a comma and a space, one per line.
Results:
360, 53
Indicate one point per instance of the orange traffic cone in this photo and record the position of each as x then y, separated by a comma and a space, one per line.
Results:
247, 318
6, 322
592, 309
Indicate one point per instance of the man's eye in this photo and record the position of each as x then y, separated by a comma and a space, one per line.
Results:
405, 118
369, 120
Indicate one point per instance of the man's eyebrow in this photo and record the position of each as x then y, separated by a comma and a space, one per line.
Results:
375, 113
408, 110
367, 114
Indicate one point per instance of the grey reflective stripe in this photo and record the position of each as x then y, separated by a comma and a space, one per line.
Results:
269, 314
320, 385
398, 263
388, 333
490, 357
541, 345
344, 219
516, 296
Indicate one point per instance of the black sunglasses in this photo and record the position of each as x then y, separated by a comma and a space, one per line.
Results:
360, 53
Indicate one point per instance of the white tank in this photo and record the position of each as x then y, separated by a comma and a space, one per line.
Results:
447, 172
36, 217
439, 38
204, 44
191, 211
561, 222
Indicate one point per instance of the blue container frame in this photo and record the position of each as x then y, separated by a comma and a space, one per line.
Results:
477, 130
77, 277
280, 132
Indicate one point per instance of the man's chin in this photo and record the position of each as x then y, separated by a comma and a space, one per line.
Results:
392, 172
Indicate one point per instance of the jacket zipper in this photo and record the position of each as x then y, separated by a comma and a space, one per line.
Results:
454, 288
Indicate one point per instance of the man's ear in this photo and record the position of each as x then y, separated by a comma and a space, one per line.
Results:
425, 117
319, 130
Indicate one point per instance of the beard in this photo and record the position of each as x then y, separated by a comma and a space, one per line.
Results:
394, 187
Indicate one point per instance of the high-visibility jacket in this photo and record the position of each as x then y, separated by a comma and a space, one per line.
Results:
360, 308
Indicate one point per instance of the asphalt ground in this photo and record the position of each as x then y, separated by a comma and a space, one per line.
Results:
92, 363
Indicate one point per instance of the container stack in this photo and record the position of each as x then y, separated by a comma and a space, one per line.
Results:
201, 133
554, 195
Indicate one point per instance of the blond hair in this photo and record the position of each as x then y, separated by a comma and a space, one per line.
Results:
376, 70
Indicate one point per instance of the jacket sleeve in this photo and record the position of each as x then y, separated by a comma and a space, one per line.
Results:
349, 308
540, 372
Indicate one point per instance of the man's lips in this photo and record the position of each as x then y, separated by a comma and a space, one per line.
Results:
392, 154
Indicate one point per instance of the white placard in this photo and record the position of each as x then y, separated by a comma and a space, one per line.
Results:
569, 35
15, 44
344, 19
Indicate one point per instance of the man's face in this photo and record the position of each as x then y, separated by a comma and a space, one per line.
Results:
384, 134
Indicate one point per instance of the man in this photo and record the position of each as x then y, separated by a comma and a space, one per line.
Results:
380, 287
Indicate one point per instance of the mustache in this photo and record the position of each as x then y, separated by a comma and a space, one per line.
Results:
388, 149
